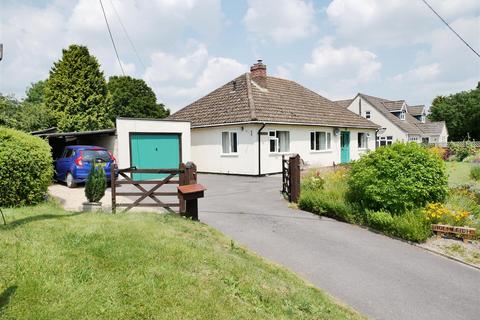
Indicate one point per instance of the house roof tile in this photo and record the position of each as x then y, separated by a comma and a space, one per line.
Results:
268, 99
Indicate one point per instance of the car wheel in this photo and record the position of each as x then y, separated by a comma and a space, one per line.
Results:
70, 182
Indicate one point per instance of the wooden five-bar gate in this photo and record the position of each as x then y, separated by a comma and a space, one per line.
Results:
291, 177
186, 174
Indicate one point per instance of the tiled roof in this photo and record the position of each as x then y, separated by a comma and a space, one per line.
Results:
393, 105
344, 103
268, 99
432, 128
407, 125
416, 110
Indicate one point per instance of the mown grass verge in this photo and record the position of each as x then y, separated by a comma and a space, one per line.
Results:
60, 265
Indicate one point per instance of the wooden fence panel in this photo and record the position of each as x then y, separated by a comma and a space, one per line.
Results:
291, 177
187, 174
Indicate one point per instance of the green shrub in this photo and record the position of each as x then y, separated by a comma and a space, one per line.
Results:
313, 183
96, 184
462, 150
475, 172
25, 168
411, 226
396, 179
323, 203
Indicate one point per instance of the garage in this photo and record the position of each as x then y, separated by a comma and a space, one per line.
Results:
152, 144
154, 150
143, 143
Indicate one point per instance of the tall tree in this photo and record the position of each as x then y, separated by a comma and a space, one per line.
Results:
134, 98
36, 92
77, 92
461, 112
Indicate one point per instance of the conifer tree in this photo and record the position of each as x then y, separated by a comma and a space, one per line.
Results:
77, 92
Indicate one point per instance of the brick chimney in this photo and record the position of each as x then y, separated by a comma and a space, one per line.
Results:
258, 74
258, 69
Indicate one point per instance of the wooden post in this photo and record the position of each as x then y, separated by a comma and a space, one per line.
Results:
113, 186
294, 168
182, 181
191, 173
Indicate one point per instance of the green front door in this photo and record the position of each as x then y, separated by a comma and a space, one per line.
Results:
154, 151
344, 146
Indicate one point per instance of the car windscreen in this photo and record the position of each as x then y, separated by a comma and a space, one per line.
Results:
96, 155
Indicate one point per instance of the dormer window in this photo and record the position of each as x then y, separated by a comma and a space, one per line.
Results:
402, 115
422, 118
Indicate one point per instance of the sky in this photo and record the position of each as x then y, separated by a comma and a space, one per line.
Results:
183, 49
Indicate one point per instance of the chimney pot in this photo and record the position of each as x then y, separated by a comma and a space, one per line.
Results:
258, 69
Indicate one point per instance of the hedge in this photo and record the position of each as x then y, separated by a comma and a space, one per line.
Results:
25, 168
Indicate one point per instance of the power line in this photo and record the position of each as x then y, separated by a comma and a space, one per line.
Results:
446, 23
128, 36
111, 38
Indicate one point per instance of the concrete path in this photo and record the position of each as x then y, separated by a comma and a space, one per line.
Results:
378, 276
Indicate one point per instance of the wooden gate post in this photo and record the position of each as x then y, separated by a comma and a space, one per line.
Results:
188, 175
182, 180
113, 187
294, 168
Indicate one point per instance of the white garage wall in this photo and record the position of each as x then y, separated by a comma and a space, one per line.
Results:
127, 126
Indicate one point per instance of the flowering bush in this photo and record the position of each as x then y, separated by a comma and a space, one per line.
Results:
475, 172
313, 183
439, 151
439, 213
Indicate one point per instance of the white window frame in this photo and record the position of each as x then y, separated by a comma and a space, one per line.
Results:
231, 149
316, 143
365, 139
387, 140
402, 115
368, 115
274, 136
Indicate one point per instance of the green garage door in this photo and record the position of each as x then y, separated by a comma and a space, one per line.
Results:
154, 151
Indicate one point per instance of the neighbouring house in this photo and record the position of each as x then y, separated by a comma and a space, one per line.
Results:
245, 126
399, 121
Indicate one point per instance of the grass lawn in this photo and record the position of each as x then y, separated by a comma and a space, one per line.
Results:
458, 173
60, 265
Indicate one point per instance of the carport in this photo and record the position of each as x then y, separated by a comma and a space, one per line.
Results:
59, 140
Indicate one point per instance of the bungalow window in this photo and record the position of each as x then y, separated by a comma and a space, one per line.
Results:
402, 115
362, 140
279, 141
229, 142
367, 115
320, 141
384, 141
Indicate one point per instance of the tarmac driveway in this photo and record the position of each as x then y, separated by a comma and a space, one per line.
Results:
380, 277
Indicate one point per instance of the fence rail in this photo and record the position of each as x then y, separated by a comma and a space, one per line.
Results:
185, 174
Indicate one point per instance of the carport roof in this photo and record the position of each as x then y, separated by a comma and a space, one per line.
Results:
75, 134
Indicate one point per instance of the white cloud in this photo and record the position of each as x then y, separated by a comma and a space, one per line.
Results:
348, 64
420, 74
34, 35
280, 20
284, 71
393, 22
179, 81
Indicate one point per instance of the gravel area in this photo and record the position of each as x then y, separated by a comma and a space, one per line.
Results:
466, 252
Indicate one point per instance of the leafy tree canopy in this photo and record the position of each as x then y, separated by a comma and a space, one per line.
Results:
77, 92
134, 98
25, 116
461, 112
36, 92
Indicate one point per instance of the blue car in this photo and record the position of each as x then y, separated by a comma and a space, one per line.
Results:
76, 162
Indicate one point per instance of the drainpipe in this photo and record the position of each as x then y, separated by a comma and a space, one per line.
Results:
260, 149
